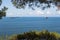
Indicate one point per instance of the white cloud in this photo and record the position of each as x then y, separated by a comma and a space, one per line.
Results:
39, 12
48, 12
58, 12
13, 12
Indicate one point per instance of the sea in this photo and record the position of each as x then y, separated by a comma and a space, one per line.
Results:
17, 25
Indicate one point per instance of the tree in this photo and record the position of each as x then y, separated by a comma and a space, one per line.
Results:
3, 12
36, 3
0, 2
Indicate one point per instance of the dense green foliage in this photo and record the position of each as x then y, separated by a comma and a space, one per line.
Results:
36, 3
34, 35
3, 12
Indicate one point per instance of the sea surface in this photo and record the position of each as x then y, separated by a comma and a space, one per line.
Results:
16, 25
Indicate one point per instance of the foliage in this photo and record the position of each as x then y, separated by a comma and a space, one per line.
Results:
3, 12
32, 35
32, 3
0, 2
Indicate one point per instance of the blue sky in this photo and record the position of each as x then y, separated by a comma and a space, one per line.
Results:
27, 12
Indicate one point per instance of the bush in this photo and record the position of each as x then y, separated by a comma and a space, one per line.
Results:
43, 35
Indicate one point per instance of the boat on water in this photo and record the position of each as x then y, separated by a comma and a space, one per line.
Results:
46, 17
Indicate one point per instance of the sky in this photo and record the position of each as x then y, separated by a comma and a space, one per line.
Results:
27, 12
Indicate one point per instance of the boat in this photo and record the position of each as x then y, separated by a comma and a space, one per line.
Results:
46, 17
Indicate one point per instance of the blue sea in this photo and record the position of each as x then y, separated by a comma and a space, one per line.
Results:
16, 25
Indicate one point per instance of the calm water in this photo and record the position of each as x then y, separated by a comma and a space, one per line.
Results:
15, 25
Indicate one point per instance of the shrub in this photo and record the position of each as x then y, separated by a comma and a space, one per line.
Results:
43, 35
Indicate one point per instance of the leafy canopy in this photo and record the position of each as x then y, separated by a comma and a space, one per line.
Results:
36, 3
0, 2
2, 11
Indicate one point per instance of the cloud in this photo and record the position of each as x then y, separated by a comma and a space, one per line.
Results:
13, 12
58, 12
39, 12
